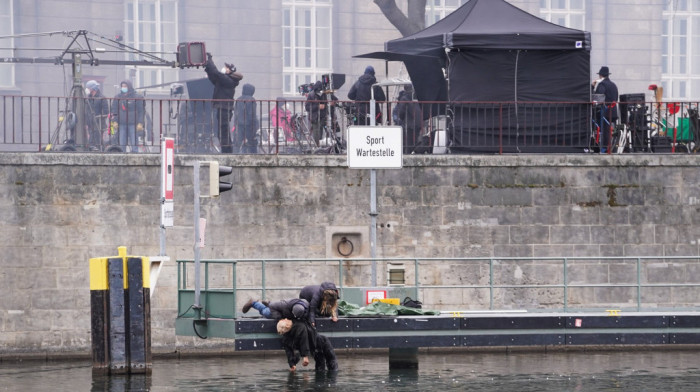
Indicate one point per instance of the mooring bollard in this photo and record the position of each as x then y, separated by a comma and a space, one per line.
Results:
120, 314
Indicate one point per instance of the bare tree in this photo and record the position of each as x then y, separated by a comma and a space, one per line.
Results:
408, 24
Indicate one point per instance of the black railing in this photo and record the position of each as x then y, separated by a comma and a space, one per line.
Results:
297, 126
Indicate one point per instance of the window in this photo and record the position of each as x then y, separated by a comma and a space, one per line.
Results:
151, 26
436, 10
680, 51
7, 71
306, 42
567, 13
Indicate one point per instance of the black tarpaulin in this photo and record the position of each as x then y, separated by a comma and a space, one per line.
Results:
504, 68
492, 24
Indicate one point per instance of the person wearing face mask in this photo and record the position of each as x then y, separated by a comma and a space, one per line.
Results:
96, 111
225, 82
128, 113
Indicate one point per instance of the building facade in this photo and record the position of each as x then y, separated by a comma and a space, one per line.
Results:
281, 44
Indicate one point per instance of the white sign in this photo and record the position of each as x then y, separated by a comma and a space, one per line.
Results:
167, 213
375, 147
375, 294
167, 168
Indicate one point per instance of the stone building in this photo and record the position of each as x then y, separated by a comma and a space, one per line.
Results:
281, 44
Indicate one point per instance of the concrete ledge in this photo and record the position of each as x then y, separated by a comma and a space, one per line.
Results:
450, 160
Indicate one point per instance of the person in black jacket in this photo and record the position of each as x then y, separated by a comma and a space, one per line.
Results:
225, 82
96, 112
293, 309
608, 111
128, 114
323, 301
408, 115
300, 340
360, 92
317, 106
246, 122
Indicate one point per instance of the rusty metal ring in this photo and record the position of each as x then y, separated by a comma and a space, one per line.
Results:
345, 240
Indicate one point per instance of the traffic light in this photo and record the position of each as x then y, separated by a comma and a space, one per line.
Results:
217, 186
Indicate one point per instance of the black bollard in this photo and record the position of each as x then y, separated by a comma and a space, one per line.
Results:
120, 314
99, 315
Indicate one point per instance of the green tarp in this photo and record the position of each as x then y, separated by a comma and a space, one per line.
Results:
381, 309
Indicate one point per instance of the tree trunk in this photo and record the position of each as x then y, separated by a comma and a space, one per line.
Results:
406, 25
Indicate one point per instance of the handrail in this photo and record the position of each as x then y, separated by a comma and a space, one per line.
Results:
40, 123
566, 281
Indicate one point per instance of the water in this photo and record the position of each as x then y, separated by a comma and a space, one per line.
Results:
522, 372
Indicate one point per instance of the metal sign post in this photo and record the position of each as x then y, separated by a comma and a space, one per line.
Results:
167, 176
372, 147
197, 243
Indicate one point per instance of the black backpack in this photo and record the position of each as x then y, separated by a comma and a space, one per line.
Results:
412, 303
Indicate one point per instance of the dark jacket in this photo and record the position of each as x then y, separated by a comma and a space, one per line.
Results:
283, 309
303, 338
361, 92
313, 106
409, 116
298, 339
224, 84
609, 89
246, 119
97, 105
128, 108
314, 294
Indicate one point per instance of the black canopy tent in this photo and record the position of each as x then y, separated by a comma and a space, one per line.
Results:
505, 70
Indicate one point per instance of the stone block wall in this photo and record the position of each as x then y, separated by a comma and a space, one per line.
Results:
59, 210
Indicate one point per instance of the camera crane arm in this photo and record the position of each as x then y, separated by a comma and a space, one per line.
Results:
74, 47
77, 48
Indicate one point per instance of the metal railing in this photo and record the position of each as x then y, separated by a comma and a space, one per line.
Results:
533, 284
298, 126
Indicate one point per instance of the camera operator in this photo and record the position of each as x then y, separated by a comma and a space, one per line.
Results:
318, 107
225, 82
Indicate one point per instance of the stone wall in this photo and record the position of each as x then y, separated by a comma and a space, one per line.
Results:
59, 210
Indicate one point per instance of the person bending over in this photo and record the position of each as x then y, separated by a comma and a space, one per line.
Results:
323, 301
299, 340
293, 309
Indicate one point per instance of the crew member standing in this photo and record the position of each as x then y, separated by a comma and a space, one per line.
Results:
128, 114
225, 82
361, 92
96, 112
608, 111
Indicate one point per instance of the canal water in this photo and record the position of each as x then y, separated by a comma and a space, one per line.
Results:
522, 372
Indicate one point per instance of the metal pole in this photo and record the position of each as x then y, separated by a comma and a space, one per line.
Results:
197, 288
79, 102
162, 234
163, 169
373, 228
373, 202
